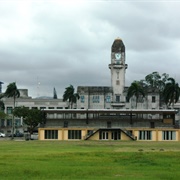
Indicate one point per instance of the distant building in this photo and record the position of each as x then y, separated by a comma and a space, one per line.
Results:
102, 112
25, 100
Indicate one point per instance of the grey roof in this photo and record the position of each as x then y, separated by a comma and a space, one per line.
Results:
125, 111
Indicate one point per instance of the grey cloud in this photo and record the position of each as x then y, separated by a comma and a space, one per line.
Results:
58, 44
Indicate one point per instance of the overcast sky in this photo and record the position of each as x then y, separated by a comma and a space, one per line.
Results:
47, 44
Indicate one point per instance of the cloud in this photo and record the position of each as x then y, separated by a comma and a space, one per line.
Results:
57, 43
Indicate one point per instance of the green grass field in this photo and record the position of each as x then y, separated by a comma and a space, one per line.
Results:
89, 160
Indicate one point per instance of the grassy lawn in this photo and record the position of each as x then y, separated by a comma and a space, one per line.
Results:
89, 160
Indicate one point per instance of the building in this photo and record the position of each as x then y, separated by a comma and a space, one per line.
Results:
25, 100
110, 124
103, 112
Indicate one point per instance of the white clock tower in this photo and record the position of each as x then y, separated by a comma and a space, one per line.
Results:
118, 69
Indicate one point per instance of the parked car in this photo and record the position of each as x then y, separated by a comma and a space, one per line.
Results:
2, 134
17, 135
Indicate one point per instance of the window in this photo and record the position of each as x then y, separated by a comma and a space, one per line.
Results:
89, 132
2, 122
50, 107
95, 99
108, 99
9, 110
153, 99
51, 134
42, 108
82, 99
109, 124
140, 99
117, 75
9, 122
117, 62
145, 135
152, 124
74, 134
117, 98
59, 108
18, 122
168, 135
117, 82
103, 135
166, 116
65, 124
115, 135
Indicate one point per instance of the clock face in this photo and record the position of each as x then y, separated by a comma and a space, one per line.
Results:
118, 56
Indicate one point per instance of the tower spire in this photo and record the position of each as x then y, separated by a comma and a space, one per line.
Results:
118, 69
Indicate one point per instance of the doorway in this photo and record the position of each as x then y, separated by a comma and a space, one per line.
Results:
103, 135
115, 135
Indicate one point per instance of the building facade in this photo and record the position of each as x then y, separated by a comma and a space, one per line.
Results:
31, 103
102, 112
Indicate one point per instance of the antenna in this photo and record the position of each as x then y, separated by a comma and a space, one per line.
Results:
38, 86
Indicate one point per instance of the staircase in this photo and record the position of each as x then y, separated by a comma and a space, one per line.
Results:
125, 131
87, 136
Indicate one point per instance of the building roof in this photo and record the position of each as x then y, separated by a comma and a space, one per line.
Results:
123, 111
94, 89
118, 46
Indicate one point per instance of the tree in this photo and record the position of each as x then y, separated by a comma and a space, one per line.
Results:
70, 95
12, 91
153, 79
1, 96
135, 90
171, 92
31, 117
156, 81
2, 114
2, 106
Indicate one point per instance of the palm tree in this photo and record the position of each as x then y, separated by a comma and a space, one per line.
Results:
171, 92
70, 96
12, 91
2, 114
2, 106
135, 90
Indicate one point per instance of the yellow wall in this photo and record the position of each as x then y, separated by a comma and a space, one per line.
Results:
156, 134
41, 134
124, 136
95, 136
60, 135
83, 133
159, 136
153, 136
65, 134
